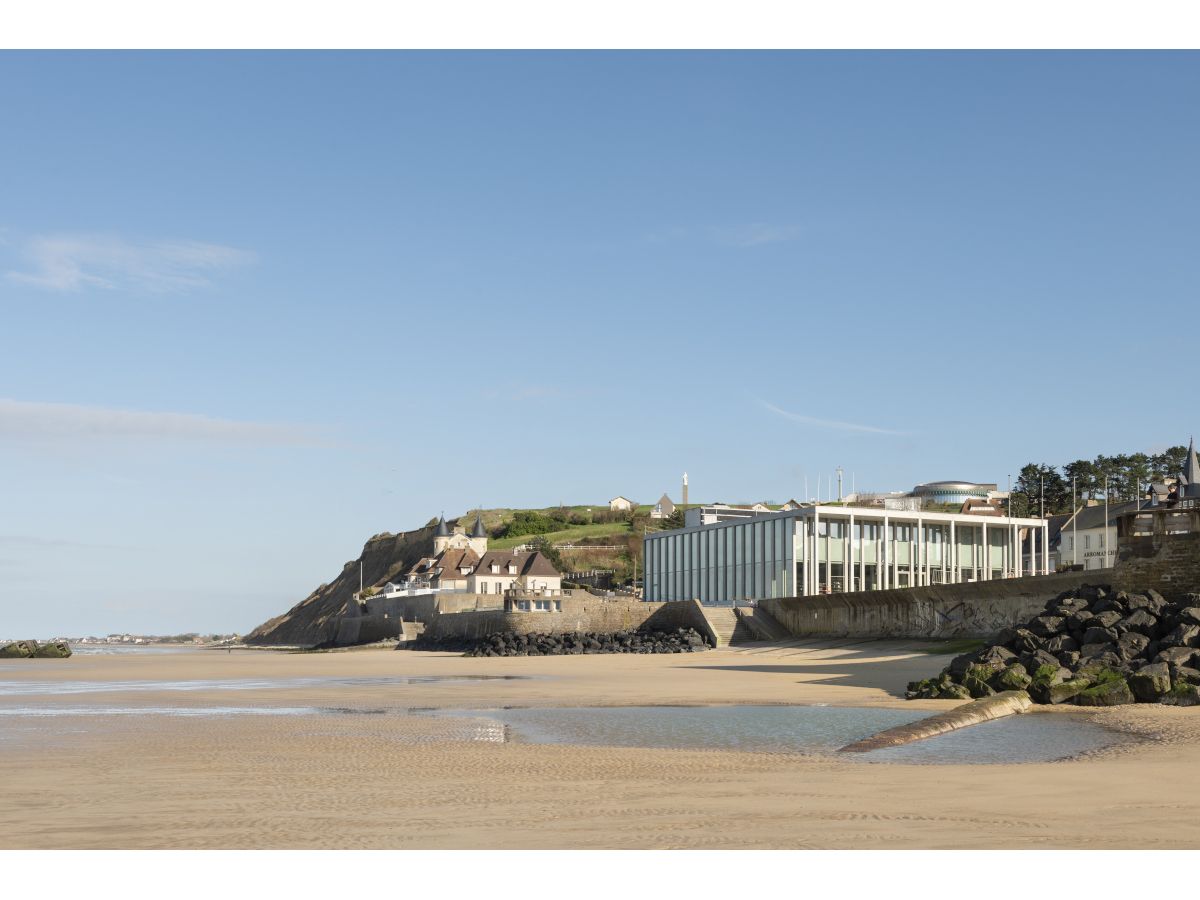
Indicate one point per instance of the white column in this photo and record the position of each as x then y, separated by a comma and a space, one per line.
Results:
987, 554
921, 547
862, 557
848, 558
799, 549
1033, 561
816, 555
885, 557
1045, 547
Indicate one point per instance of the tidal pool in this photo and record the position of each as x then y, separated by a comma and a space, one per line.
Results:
50, 688
791, 729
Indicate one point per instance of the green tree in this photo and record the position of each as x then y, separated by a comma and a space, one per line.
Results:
1085, 473
1168, 464
674, 520
1040, 487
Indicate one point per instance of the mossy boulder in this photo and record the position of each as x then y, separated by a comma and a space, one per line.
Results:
1054, 694
1013, 678
1150, 682
1106, 693
1182, 694
954, 691
18, 650
977, 687
53, 650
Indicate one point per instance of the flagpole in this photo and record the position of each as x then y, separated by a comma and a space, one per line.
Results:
1106, 521
1074, 530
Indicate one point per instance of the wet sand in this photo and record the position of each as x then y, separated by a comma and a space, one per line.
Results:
395, 781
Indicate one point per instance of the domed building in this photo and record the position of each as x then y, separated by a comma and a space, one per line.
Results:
955, 492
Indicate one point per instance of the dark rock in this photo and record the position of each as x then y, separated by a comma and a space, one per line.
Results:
1112, 692
1131, 644
1109, 604
1088, 651
1058, 693
1031, 661
1078, 622
1047, 626
959, 665
1182, 636
1150, 682
954, 691
1105, 619
1189, 615
1069, 659
1025, 641
1182, 694
1184, 673
1013, 678
1181, 655
1057, 645
996, 657
1140, 621
1005, 636
977, 687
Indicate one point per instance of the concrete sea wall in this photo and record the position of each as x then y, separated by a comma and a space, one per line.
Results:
974, 610
579, 613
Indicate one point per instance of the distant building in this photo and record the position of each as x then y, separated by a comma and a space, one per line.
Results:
462, 562
956, 492
827, 549
720, 512
1089, 538
663, 508
982, 506
621, 504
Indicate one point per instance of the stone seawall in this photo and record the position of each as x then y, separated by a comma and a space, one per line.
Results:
974, 610
593, 614
1169, 563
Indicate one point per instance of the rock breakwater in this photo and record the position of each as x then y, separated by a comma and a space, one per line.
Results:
678, 640
1092, 647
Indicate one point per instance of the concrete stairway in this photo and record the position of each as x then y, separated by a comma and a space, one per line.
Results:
727, 625
764, 625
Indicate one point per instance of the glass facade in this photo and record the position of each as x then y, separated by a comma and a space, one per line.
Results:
830, 550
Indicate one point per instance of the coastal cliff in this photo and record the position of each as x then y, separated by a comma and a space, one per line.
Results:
314, 620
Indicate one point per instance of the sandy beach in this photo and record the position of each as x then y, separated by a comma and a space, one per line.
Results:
396, 781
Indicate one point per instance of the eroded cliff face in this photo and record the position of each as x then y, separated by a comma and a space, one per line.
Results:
314, 620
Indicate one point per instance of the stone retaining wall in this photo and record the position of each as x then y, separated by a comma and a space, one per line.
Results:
973, 610
1169, 563
586, 613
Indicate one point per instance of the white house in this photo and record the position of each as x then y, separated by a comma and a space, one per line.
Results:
620, 504
462, 562
1088, 540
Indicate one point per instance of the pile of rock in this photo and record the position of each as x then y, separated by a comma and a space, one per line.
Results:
1091, 647
34, 650
680, 640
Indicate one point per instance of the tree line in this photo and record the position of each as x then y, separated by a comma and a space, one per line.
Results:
1126, 476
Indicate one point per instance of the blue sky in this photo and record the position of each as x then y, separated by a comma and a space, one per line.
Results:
257, 308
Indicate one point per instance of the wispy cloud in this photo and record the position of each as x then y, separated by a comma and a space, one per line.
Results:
755, 234
73, 262
826, 423
749, 234
22, 420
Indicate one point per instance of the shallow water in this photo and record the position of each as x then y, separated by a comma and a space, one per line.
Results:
796, 729
51, 688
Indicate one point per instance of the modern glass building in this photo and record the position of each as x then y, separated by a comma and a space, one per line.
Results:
831, 549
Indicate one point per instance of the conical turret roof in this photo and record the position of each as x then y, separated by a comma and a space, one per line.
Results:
1191, 471
478, 531
442, 529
